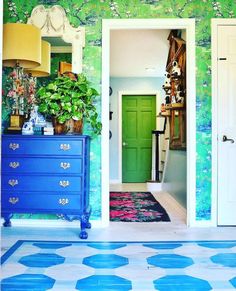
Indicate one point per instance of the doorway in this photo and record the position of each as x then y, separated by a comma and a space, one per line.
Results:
224, 120
189, 26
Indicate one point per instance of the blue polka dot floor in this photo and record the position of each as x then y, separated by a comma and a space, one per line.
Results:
90, 266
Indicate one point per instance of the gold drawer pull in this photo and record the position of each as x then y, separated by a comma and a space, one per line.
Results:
64, 183
13, 182
65, 146
63, 201
14, 165
13, 200
65, 165
14, 146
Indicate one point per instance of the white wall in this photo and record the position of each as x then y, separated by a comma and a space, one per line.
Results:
126, 84
175, 180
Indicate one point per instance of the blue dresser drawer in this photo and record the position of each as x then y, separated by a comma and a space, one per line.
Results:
46, 174
42, 145
23, 203
41, 183
59, 165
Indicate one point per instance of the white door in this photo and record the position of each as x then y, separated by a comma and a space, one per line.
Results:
226, 125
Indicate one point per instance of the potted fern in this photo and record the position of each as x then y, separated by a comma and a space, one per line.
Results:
69, 100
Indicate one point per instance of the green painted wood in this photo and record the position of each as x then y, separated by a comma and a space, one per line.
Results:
138, 121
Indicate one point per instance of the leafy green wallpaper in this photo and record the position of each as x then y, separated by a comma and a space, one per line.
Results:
89, 13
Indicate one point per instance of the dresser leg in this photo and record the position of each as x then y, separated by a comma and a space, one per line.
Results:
87, 215
7, 220
83, 225
88, 225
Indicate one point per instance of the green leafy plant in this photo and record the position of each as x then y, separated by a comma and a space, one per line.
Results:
65, 98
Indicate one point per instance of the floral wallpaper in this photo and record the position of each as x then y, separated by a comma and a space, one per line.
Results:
89, 13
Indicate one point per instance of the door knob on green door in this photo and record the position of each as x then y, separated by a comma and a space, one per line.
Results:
124, 144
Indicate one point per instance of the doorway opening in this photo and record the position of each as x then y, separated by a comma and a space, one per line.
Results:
151, 24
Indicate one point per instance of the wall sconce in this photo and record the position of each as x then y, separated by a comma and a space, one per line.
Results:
21, 49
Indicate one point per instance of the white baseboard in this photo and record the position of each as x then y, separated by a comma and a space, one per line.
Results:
203, 223
154, 186
115, 181
172, 200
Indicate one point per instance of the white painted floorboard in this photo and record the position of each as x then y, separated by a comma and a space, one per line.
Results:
124, 231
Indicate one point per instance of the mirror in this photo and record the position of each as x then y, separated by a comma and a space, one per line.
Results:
56, 29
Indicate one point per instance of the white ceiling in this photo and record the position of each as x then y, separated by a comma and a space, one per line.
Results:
133, 51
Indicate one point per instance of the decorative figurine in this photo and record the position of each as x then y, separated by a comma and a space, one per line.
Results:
173, 99
167, 81
37, 118
176, 71
167, 99
179, 97
27, 128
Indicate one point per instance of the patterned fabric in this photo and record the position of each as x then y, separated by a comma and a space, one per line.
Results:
136, 207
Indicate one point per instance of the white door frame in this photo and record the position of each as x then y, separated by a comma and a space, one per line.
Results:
120, 94
214, 39
189, 26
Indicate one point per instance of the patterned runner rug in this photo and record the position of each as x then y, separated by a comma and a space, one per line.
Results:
136, 207
119, 266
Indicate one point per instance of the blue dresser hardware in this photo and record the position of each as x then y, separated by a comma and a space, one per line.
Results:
46, 174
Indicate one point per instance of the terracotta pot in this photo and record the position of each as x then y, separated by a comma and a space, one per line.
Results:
59, 128
78, 126
75, 126
70, 126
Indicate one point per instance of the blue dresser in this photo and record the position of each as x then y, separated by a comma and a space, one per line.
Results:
46, 174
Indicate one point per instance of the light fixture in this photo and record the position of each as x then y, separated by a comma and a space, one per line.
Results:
21, 45
21, 49
45, 68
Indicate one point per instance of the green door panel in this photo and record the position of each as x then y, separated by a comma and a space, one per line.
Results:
138, 121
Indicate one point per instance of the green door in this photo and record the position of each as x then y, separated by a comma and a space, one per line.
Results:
138, 121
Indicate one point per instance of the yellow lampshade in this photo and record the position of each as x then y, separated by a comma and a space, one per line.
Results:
45, 68
21, 45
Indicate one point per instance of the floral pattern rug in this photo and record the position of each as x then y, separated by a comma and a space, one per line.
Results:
136, 207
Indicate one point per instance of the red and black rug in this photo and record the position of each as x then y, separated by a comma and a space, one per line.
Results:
136, 207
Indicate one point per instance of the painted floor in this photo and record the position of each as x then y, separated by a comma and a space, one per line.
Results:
174, 231
146, 266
